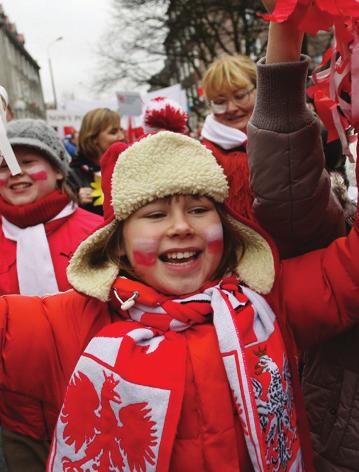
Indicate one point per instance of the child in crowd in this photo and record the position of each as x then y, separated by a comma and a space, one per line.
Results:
175, 280
41, 226
99, 129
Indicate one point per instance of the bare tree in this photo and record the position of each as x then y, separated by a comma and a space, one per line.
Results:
132, 49
161, 42
145, 33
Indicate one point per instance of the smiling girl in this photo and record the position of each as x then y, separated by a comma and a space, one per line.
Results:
196, 365
41, 225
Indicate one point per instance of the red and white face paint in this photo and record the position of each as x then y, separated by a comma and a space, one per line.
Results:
175, 244
37, 179
215, 239
145, 252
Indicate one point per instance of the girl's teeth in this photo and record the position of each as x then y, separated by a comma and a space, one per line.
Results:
15, 186
181, 255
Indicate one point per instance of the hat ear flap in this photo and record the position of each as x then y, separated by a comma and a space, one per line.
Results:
92, 280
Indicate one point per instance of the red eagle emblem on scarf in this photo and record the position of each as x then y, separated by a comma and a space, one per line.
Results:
106, 432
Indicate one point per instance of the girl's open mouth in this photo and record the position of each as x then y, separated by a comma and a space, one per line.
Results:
20, 186
180, 257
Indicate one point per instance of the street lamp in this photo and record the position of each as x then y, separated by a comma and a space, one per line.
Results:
60, 38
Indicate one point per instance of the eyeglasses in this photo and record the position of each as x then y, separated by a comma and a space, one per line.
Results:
220, 104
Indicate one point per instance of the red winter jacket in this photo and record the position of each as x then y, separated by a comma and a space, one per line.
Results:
64, 235
32, 386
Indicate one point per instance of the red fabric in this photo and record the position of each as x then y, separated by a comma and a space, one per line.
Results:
341, 79
40, 211
108, 162
312, 16
205, 439
64, 235
235, 166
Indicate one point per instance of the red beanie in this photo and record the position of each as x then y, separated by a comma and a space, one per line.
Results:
108, 162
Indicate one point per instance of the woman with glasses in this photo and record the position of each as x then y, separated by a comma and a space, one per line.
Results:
230, 88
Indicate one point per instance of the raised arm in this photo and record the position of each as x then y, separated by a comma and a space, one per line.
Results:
293, 200
284, 40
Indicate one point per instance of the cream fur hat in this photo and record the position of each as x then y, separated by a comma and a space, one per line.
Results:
157, 166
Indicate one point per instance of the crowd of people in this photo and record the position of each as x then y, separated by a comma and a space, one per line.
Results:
182, 304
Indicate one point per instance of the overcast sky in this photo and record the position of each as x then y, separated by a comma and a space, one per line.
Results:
80, 22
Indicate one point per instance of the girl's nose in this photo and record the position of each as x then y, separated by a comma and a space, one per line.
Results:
180, 226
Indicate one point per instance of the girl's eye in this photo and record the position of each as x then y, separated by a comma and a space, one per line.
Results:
27, 162
155, 215
198, 210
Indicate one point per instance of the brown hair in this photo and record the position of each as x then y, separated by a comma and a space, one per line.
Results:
92, 124
113, 247
65, 187
227, 74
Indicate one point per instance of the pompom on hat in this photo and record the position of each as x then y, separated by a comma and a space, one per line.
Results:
38, 135
158, 166
162, 113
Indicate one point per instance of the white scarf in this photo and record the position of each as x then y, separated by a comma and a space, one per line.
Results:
222, 135
35, 269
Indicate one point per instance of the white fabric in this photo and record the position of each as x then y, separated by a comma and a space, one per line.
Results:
35, 269
222, 135
4, 103
353, 194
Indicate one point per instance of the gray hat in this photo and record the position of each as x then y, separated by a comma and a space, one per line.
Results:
39, 135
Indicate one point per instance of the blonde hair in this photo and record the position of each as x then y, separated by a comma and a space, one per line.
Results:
92, 124
227, 74
112, 249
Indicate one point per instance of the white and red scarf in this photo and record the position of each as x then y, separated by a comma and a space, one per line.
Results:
124, 398
224, 136
25, 224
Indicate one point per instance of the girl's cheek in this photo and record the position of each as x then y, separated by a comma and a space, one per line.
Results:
38, 175
144, 258
3, 182
214, 236
145, 252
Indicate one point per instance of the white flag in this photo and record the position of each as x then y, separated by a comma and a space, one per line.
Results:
6, 151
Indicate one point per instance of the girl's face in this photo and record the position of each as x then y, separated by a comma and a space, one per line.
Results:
37, 179
108, 136
174, 244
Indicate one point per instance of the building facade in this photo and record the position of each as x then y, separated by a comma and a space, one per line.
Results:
19, 73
